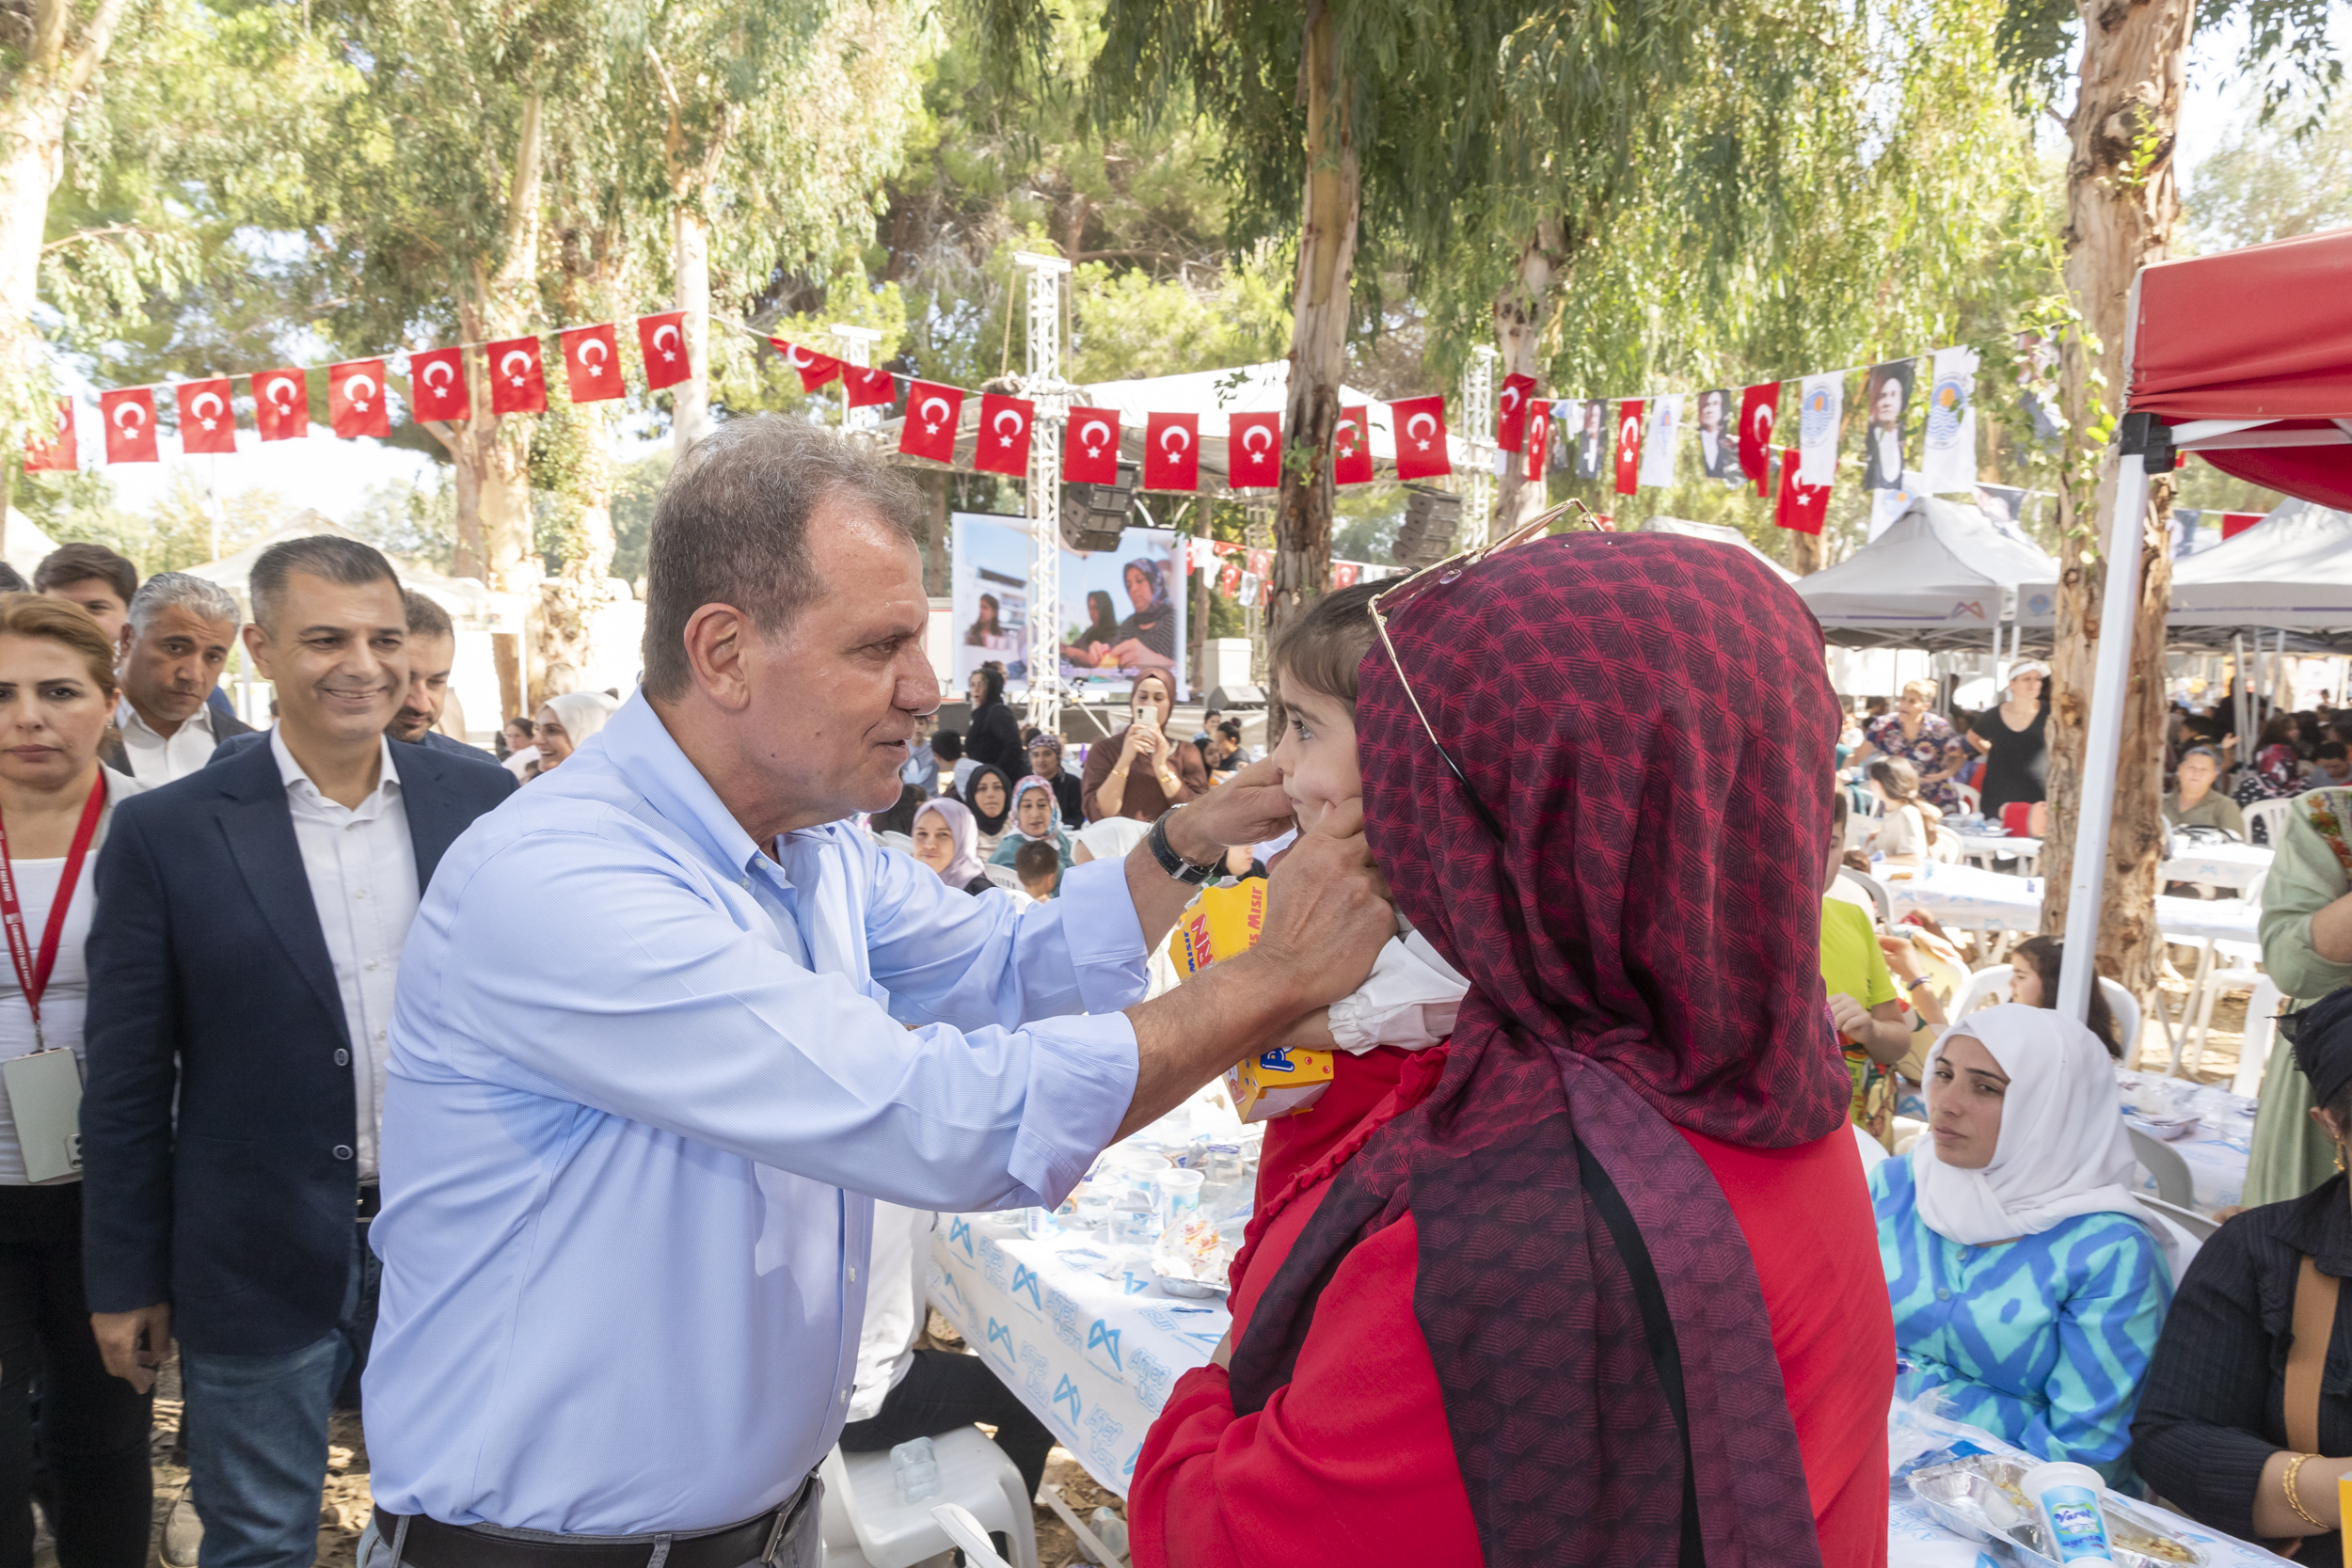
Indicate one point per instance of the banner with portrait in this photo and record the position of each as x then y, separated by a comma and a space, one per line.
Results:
1123, 611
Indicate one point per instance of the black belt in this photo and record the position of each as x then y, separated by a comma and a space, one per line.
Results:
370, 1200
430, 1544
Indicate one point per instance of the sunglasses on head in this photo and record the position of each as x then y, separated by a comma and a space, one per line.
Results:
1410, 590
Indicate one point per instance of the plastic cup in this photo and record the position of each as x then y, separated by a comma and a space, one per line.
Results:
1178, 1195
2067, 1494
915, 1468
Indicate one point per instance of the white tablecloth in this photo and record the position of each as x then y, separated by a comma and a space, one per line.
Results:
2233, 865
1094, 1357
1970, 897
2216, 1153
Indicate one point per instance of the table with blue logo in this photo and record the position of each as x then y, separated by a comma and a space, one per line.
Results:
1094, 1356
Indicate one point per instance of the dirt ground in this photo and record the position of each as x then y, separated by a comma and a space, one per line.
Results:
344, 1507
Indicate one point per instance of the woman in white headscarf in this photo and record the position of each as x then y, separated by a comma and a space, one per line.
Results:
566, 723
948, 841
2028, 1278
1036, 818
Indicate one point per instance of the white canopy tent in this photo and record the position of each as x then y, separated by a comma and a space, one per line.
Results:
1721, 534
1940, 577
2291, 572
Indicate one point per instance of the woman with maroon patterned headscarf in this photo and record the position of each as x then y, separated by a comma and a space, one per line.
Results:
1596, 1283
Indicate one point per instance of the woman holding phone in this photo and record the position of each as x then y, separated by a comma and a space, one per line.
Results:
57, 699
1139, 772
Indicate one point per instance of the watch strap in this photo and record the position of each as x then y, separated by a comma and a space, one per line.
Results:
1191, 873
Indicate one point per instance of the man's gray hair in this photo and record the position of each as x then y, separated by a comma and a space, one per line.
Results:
426, 618
205, 600
732, 528
326, 556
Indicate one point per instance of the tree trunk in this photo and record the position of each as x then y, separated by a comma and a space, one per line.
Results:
2123, 202
1522, 311
60, 61
689, 407
1326, 258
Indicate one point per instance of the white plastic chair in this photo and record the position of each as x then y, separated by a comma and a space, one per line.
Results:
2239, 975
866, 1524
2254, 1047
2265, 821
1876, 889
2163, 1161
1971, 798
1989, 986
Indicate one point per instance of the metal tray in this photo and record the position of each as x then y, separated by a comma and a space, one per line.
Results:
1977, 1497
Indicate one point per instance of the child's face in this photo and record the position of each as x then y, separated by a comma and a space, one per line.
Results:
1317, 755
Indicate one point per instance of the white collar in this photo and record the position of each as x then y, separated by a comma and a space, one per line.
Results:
290, 772
127, 718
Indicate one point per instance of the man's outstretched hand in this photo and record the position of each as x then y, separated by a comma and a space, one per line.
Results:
1248, 808
1327, 912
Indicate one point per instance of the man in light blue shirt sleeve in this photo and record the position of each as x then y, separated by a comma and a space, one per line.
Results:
667, 1025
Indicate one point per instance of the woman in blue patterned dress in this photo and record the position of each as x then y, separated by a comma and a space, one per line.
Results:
2027, 1281
1923, 738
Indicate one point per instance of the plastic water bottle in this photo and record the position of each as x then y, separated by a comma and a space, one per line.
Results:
1111, 1530
916, 1468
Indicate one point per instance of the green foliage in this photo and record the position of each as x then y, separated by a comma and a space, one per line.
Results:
636, 485
181, 531
410, 521
2263, 184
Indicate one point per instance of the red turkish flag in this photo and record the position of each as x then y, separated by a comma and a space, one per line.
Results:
130, 417
2235, 523
1346, 573
1539, 438
61, 455
1759, 407
518, 382
1802, 507
592, 363
661, 340
1511, 411
868, 389
355, 399
1629, 445
1171, 451
1003, 444
929, 430
1253, 450
815, 369
282, 405
437, 385
1090, 449
207, 421
1229, 579
1351, 449
1259, 564
1420, 427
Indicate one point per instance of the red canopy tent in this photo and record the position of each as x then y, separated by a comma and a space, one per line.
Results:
2245, 357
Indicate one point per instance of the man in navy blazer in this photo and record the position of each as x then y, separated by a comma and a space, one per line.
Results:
242, 964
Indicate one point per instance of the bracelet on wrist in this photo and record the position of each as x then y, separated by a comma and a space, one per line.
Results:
1914, 985
2294, 1467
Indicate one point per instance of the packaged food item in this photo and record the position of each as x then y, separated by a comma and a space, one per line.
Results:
2068, 1497
1190, 1257
1222, 920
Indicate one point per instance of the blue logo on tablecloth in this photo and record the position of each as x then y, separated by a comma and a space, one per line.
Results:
1065, 1315
959, 1229
993, 1262
1035, 1369
1000, 1336
1067, 1391
1136, 1284
1130, 1468
952, 1293
1108, 1338
1024, 1278
1149, 1377
1102, 1436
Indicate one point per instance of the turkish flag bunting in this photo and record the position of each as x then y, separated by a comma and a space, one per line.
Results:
518, 382
1003, 446
592, 363
437, 385
282, 405
868, 389
60, 455
1171, 451
1259, 564
1344, 574
1629, 445
1759, 407
1420, 427
1089, 450
815, 369
1511, 411
929, 430
355, 399
1802, 507
2235, 523
1229, 579
1253, 450
662, 340
1351, 449
130, 425
207, 423
1539, 438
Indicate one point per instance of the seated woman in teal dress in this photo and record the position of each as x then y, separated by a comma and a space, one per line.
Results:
1034, 816
2028, 1280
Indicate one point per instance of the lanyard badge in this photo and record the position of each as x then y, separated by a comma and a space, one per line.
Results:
32, 970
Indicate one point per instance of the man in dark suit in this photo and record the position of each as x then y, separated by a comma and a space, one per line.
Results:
175, 643
242, 967
432, 655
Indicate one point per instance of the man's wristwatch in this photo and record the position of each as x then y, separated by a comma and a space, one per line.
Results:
1191, 873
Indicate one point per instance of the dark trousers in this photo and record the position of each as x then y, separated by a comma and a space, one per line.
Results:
93, 1427
943, 1391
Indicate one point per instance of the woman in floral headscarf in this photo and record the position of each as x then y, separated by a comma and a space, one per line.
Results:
1593, 1283
1036, 816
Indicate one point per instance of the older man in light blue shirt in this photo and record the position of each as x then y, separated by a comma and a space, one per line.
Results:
667, 1025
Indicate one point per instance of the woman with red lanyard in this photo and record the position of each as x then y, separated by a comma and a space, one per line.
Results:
1594, 1284
56, 698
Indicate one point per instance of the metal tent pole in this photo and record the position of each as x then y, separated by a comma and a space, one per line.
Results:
1478, 421
1044, 386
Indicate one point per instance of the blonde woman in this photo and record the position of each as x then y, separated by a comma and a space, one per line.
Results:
1921, 736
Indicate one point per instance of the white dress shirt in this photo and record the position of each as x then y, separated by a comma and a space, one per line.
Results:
363, 868
644, 1079
158, 759
895, 1311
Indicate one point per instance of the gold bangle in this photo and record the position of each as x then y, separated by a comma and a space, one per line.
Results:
2294, 1466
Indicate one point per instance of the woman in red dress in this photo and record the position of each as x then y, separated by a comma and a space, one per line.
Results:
1597, 1282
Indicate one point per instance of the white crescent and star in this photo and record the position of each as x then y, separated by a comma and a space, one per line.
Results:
448, 372
1511, 396
1257, 438
283, 405
930, 420
1174, 439
1413, 430
1629, 437
137, 413
1347, 434
1005, 438
666, 331
602, 354
196, 407
352, 393
1095, 433
506, 365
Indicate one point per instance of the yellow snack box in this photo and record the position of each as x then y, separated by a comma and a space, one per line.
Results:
1225, 920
